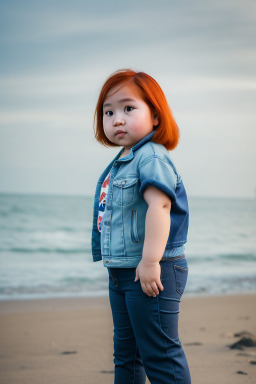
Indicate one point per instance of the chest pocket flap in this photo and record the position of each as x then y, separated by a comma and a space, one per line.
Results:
124, 190
125, 183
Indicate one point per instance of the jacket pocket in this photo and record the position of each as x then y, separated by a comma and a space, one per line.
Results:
181, 275
123, 191
134, 227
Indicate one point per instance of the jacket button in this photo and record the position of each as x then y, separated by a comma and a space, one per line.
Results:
123, 182
107, 262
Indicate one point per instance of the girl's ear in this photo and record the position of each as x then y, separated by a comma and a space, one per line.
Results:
155, 120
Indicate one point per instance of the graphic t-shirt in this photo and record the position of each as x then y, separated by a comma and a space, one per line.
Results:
103, 199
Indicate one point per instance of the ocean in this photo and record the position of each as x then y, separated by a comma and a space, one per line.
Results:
45, 247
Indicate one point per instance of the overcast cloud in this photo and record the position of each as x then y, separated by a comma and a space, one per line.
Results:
55, 56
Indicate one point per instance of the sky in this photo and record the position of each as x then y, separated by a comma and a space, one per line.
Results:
55, 56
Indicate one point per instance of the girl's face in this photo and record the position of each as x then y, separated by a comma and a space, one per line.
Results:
126, 116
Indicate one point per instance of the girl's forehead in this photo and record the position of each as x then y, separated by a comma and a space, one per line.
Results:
124, 91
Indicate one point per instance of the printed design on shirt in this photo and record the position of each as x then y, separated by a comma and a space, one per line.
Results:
103, 200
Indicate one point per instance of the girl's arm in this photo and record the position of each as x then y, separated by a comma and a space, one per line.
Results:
157, 228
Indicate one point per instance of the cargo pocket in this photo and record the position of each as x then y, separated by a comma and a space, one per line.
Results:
134, 227
181, 275
123, 191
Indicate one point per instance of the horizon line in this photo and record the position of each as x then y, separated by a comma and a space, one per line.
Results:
52, 194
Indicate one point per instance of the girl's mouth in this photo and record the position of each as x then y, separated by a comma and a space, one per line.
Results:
120, 133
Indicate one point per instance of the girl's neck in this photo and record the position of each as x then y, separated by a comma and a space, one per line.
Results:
124, 153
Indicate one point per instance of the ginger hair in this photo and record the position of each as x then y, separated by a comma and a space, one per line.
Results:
167, 131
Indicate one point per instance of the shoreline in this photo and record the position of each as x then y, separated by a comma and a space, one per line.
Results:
64, 340
91, 301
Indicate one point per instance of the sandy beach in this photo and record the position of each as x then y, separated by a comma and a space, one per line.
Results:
70, 340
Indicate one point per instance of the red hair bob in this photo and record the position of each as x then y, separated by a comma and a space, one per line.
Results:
167, 132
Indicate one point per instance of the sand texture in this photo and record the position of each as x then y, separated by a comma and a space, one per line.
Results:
70, 340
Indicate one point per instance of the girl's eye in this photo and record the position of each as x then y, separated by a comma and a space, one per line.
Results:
109, 113
129, 109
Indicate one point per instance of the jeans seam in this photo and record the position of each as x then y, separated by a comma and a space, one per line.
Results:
164, 339
174, 258
134, 365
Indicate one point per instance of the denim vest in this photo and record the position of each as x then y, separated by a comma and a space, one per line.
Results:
120, 243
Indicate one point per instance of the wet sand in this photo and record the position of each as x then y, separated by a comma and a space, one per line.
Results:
70, 340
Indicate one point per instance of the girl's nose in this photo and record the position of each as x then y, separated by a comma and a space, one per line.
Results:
118, 120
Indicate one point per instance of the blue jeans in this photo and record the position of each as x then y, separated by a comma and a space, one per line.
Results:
146, 339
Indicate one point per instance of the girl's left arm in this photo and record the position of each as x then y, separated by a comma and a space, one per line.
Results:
157, 228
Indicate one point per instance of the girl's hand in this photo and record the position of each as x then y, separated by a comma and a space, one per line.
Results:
149, 275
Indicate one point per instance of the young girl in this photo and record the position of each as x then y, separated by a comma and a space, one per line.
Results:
140, 225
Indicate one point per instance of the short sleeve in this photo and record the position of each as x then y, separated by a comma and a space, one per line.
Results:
159, 173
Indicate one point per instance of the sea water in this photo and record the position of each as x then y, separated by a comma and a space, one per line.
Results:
45, 247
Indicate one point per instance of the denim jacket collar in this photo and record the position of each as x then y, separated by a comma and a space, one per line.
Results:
136, 146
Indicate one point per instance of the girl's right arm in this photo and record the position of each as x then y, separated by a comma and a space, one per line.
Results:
157, 228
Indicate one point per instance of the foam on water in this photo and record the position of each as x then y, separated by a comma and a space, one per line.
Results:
45, 247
